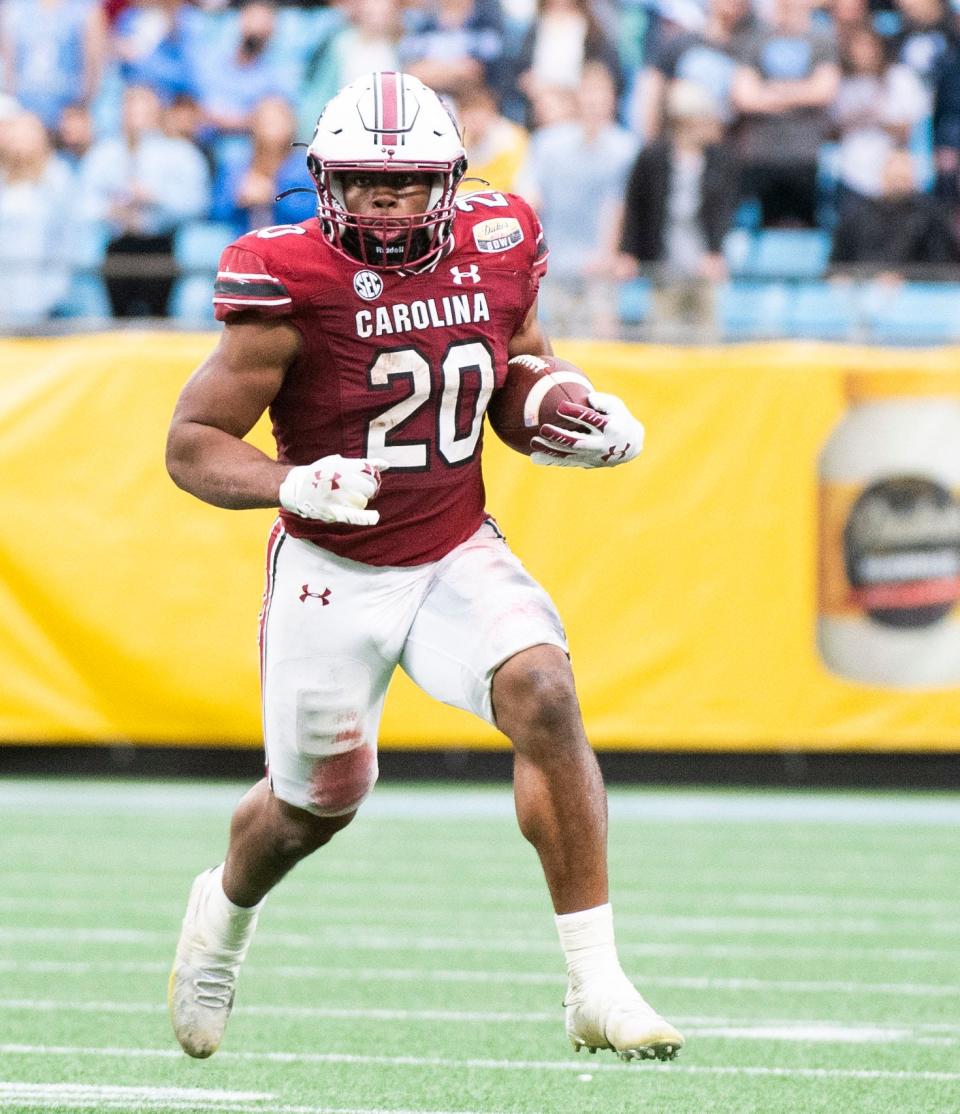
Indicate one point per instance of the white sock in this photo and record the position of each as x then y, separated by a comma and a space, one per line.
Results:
588, 945
232, 925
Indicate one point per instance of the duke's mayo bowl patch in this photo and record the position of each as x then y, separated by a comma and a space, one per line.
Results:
498, 234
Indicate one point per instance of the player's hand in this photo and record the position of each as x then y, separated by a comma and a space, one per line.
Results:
334, 489
608, 434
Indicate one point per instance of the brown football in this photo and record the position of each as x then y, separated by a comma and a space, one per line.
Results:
534, 388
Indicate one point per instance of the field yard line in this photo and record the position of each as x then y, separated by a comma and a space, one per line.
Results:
799, 1031
524, 906
526, 978
108, 1090
392, 942
576, 1065
49, 1005
121, 1097
720, 924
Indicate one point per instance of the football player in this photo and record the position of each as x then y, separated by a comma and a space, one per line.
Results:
375, 334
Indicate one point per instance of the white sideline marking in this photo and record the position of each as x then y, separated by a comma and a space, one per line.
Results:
489, 1065
525, 978
801, 1031
365, 941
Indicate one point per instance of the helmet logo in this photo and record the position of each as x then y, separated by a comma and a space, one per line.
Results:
368, 284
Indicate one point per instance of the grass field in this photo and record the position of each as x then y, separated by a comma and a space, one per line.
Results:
807, 944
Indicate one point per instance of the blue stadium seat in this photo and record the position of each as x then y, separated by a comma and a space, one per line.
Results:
753, 310
823, 311
914, 313
86, 295
783, 253
191, 300
198, 243
633, 301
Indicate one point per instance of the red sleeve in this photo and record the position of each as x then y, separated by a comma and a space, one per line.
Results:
541, 251
244, 284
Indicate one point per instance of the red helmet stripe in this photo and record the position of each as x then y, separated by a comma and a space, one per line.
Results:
389, 109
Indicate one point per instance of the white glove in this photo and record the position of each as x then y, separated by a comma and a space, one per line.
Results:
610, 435
334, 489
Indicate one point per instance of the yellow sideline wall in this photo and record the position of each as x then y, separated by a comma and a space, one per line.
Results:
687, 580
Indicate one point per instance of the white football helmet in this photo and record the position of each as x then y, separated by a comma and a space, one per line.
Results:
387, 122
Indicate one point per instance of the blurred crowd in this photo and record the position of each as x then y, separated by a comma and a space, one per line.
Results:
643, 131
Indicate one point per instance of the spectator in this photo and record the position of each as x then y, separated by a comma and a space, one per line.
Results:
707, 57
248, 182
451, 44
877, 106
900, 229
575, 175
182, 118
234, 81
783, 90
496, 147
946, 127
74, 135
143, 184
52, 53
35, 190
368, 42
680, 200
925, 38
552, 104
565, 36
155, 41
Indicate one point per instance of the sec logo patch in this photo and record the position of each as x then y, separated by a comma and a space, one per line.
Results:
368, 284
498, 234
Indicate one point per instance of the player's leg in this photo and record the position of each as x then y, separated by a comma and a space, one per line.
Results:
558, 789
561, 807
330, 637
267, 838
488, 639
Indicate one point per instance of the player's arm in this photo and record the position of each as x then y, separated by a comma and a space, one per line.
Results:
221, 403
531, 340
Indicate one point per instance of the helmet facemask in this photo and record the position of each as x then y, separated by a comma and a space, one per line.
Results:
354, 124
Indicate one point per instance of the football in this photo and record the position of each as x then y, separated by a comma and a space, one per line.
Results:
534, 388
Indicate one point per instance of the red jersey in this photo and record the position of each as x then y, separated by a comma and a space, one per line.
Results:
399, 365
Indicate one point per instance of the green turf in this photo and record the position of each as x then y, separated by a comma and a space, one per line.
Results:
808, 945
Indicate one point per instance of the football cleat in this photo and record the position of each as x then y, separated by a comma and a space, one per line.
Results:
617, 1017
203, 980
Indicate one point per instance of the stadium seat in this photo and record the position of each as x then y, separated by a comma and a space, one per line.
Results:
781, 253
913, 313
191, 300
87, 294
633, 301
823, 311
753, 310
198, 243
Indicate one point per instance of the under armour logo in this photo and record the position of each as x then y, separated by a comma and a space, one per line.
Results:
319, 477
613, 453
460, 276
323, 597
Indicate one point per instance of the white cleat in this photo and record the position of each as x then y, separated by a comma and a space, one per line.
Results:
617, 1017
203, 980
